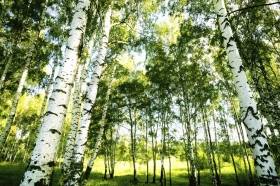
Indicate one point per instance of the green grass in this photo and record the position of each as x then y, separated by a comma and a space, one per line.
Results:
11, 174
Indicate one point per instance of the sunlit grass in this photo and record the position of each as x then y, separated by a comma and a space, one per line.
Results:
11, 174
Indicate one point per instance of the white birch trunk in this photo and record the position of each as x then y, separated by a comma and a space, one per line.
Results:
80, 146
40, 168
208, 150
76, 114
7, 66
101, 130
264, 164
11, 117
45, 100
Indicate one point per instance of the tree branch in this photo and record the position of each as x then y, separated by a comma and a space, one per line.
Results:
255, 6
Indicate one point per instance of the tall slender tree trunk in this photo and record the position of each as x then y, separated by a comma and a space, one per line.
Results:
217, 146
76, 113
154, 152
11, 117
113, 150
40, 168
251, 177
133, 143
101, 130
264, 164
147, 150
208, 149
197, 162
8, 64
105, 157
163, 150
80, 145
225, 128
46, 96
217, 177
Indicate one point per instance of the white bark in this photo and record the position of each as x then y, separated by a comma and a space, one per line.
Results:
76, 112
80, 146
41, 166
11, 117
7, 66
101, 130
263, 161
208, 150
45, 100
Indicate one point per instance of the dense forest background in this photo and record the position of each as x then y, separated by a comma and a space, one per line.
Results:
147, 82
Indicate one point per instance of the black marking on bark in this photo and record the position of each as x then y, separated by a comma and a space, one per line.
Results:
34, 167
225, 21
52, 99
258, 164
51, 164
259, 133
80, 28
224, 38
257, 142
241, 68
64, 106
59, 90
55, 131
245, 125
50, 112
67, 47
58, 77
41, 182
261, 158
231, 67
265, 148
80, 46
269, 179
228, 43
255, 114
70, 84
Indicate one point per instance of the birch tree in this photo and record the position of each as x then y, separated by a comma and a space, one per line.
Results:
40, 168
80, 81
80, 145
264, 164
101, 130
10, 119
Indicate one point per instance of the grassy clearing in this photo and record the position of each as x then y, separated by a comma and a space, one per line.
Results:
11, 174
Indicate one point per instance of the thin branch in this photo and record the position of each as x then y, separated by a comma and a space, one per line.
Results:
255, 6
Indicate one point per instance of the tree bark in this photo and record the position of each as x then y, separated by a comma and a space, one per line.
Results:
208, 150
101, 130
82, 135
40, 168
264, 164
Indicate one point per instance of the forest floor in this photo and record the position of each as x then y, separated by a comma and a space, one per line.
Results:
11, 174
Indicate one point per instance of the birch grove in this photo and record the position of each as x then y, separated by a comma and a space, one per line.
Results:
167, 92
